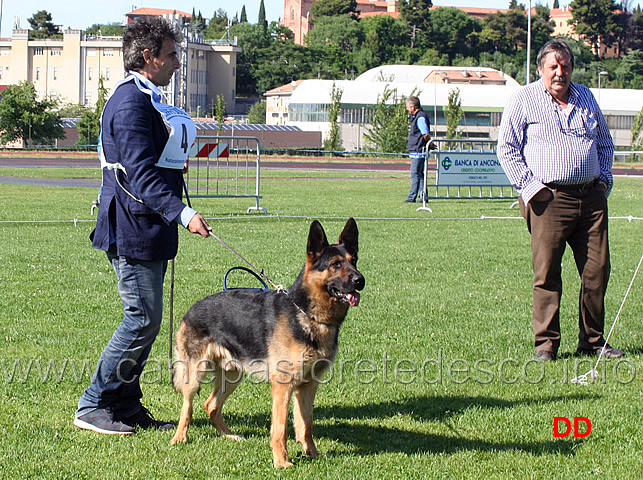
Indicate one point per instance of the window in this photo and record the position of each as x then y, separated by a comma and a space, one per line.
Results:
56, 52
90, 73
55, 75
37, 73
88, 98
38, 51
108, 52
108, 72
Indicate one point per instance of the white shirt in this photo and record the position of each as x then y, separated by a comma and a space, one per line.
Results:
539, 142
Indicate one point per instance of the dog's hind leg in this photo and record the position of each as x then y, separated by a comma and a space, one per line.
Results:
188, 384
223, 388
303, 416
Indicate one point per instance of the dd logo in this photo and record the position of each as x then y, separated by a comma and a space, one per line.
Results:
568, 426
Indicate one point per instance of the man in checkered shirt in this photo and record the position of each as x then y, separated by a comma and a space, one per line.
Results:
556, 149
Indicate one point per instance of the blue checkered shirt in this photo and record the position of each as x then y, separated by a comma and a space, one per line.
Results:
541, 143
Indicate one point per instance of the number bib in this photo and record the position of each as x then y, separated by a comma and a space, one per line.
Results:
182, 135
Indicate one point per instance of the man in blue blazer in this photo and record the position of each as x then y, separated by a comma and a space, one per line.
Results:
140, 207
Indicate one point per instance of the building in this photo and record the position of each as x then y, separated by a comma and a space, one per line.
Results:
69, 69
482, 101
277, 102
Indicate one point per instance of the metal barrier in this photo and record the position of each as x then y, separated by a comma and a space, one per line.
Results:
469, 165
225, 167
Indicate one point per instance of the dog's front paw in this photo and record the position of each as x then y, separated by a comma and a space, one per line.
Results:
179, 439
232, 436
282, 464
280, 459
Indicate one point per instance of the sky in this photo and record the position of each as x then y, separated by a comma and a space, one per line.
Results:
80, 14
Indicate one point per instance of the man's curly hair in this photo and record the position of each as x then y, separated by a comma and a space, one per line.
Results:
147, 33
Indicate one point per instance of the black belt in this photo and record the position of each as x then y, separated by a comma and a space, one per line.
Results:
578, 187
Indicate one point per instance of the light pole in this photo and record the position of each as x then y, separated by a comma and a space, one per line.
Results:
600, 74
435, 102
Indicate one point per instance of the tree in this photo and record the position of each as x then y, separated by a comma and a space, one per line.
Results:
333, 141
218, 25
219, 113
416, 13
105, 30
389, 123
257, 113
505, 32
42, 26
453, 113
252, 42
89, 124
630, 70
244, 16
22, 116
453, 32
262, 22
555, 5
385, 42
197, 24
330, 8
335, 41
594, 20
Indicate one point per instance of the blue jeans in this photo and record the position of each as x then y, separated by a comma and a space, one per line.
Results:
115, 384
417, 175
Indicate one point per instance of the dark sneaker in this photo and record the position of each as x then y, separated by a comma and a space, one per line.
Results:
610, 352
102, 421
144, 419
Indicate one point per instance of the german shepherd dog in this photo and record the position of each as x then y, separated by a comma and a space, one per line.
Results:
288, 338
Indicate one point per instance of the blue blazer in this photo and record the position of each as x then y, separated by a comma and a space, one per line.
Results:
134, 135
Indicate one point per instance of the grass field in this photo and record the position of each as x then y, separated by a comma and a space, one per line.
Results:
433, 379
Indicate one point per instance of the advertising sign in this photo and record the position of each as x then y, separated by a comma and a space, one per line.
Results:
470, 169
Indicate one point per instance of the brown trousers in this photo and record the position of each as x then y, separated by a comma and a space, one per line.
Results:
578, 218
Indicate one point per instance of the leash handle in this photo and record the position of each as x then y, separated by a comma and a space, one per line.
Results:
244, 269
250, 265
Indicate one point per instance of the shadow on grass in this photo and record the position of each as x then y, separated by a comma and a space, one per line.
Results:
368, 439
343, 425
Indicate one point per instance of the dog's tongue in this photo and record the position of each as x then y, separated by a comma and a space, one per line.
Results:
353, 299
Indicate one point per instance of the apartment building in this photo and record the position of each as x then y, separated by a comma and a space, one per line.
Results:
69, 69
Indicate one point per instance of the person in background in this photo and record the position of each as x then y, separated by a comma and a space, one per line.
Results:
556, 149
419, 136
140, 208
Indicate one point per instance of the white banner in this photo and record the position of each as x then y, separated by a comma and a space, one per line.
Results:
470, 169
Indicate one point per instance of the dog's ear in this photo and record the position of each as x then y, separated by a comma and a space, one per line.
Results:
349, 235
317, 241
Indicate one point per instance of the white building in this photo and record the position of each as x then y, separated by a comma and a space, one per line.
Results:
484, 94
